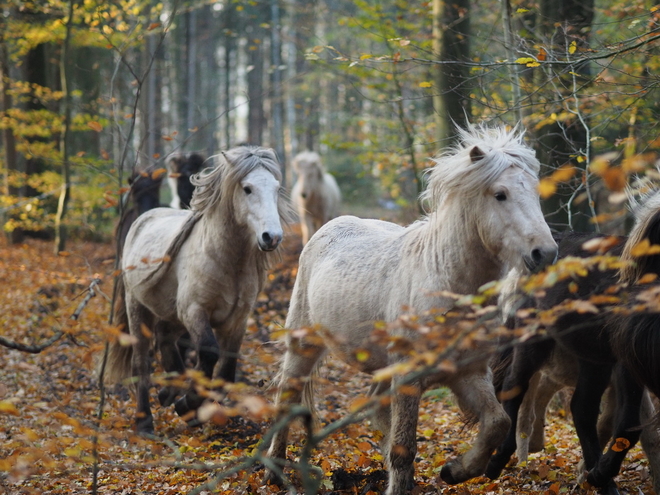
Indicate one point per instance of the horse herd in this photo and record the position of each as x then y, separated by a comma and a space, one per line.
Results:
198, 272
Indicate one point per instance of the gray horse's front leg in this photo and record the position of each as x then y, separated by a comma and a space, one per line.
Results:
403, 439
476, 397
196, 320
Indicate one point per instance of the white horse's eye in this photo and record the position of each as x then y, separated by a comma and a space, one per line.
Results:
500, 196
247, 189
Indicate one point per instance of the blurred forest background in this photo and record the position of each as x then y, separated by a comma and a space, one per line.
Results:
93, 91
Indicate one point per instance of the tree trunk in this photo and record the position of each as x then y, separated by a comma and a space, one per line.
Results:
255, 75
277, 104
65, 193
451, 35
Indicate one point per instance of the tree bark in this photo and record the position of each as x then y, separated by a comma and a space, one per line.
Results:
451, 35
276, 94
65, 193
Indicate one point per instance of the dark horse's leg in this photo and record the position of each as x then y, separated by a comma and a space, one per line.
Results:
139, 315
171, 359
626, 432
208, 352
585, 407
528, 358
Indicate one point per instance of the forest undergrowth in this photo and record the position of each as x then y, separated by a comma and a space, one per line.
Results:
49, 403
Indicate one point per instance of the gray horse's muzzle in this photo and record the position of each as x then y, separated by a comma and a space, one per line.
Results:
269, 241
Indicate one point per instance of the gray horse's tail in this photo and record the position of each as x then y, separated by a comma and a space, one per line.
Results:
118, 364
309, 390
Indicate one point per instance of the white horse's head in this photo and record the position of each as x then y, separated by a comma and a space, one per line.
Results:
492, 178
245, 186
512, 225
310, 172
256, 202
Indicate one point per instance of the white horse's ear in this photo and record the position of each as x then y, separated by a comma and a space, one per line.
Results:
476, 154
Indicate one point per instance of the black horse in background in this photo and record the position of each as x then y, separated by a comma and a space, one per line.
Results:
143, 195
180, 167
611, 339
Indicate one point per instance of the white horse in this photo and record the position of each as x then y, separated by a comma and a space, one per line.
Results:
485, 218
315, 194
199, 270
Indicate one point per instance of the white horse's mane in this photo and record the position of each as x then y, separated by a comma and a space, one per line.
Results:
455, 170
215, 184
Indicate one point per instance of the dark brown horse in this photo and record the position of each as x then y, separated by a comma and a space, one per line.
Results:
608, 340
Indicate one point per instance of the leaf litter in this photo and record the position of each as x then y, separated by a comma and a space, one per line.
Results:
49, 402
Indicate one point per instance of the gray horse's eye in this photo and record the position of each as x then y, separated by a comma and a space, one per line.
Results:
500, 196
247, 189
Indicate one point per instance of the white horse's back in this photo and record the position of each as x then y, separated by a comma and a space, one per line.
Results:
151, 234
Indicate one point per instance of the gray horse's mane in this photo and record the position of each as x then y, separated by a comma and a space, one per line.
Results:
455, 171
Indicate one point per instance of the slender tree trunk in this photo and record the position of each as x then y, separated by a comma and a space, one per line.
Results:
65, 193
276, 98
191, 69
441, 121
11, 162
255, 76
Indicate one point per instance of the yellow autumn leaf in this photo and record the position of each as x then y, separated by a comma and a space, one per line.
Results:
365, 56
156, 174
572, 47
547, 187
362, 355
8, 408
95, 126
525, 60
647, 278
532, 64
644, 248
563, 173
522, 11
425, 84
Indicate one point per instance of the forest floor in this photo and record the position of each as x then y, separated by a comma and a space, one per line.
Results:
49, 403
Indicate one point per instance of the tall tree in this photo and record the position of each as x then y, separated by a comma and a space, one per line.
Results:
65, 192
277, 100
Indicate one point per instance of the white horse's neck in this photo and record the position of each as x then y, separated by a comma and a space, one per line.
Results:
451, 246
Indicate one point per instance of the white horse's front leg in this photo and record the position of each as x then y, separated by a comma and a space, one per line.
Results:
403, 439
476, 397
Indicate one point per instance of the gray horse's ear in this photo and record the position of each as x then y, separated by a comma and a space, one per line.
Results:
476, 154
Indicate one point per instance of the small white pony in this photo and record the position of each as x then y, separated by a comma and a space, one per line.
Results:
485, 218
199, 270
315, 195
